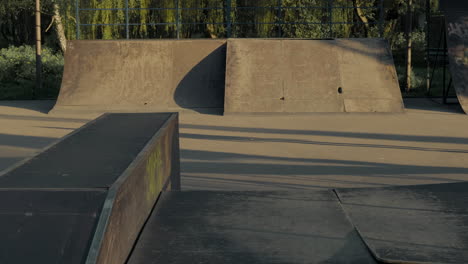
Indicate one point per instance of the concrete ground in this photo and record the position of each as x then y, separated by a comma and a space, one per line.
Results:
427, 144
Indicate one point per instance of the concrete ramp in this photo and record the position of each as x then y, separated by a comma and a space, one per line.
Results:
154, 75
456, 17
294, 76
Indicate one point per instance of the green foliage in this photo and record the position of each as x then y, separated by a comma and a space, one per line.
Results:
314, 22
17, 26
18, 72
418, 77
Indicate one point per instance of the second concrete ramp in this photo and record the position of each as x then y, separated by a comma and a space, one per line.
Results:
287, 75
456, 17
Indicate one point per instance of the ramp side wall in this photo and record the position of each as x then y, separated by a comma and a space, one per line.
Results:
132, 197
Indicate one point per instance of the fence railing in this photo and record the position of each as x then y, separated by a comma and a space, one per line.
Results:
229, 11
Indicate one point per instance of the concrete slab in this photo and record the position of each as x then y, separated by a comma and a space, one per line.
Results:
44, 226
414, 224
341, 75
249, 227
148, 75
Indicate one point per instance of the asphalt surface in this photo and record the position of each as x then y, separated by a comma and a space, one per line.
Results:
383, 155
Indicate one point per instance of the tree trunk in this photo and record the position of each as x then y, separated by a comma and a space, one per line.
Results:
38, 50
62, 39
361, 16
211, 31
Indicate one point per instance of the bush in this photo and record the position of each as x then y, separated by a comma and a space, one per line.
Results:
18, 73
418, 80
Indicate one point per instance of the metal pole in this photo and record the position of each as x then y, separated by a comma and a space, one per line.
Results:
428, 43
127, 18
228, 19
444, 72
381, 18
280, 7
330, 5
38, 51
177, 20
77, 14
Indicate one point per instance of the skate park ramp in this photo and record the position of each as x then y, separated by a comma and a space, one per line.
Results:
293, 76
456, 19
146, 75
411, 224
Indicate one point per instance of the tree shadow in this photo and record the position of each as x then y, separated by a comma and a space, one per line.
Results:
25, 141
311, 142
358, 135
223, 170
19, 148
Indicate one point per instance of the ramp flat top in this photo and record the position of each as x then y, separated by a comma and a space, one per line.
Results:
456, 17
92, 158
40, 226
413, 224
249, 227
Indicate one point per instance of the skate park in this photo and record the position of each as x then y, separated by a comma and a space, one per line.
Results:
297, 166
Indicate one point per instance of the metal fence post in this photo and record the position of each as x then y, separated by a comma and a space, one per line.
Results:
381, 18
428, 44
228, 19
127, 20
77, 14
177, 20
278, 14
330, 12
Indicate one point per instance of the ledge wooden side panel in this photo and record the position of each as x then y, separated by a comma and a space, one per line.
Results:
132, 197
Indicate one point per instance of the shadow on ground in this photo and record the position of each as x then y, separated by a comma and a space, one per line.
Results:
433, 105
41, 106
357, 135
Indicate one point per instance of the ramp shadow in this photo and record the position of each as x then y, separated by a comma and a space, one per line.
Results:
202, 88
